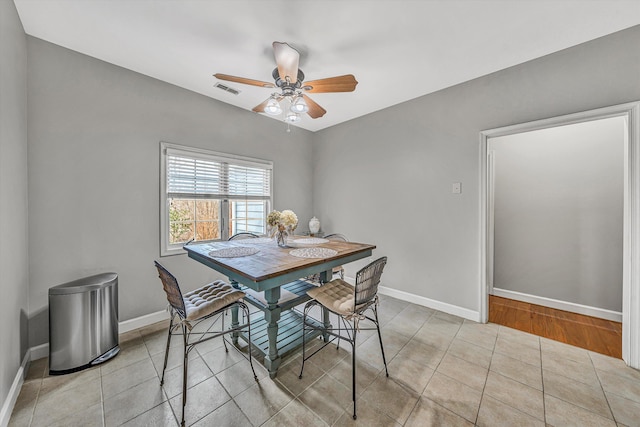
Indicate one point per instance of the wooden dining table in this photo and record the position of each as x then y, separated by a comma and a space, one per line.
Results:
267, 272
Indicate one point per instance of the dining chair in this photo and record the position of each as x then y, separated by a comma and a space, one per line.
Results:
243, 235
190, 309
350, 304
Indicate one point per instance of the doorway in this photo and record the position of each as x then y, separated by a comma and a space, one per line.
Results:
575, 255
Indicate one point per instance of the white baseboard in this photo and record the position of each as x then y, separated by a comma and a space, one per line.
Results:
560, 305
39, 351
436, 305
14, 391
139, 322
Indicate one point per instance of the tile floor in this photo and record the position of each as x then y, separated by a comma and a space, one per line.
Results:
444, 371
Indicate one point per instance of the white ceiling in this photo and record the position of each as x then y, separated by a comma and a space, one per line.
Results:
397, 50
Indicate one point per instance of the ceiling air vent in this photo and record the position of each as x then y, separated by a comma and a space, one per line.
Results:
227, 88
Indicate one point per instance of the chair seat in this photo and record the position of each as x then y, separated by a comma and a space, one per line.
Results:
209, 298
336, 295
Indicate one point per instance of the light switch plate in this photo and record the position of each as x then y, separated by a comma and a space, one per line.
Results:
456, 188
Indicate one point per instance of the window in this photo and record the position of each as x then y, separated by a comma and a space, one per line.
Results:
210, 196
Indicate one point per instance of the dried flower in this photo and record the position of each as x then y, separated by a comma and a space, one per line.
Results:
289, 219
273, 218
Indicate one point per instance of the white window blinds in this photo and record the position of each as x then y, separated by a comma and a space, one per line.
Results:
198, 175
247, 182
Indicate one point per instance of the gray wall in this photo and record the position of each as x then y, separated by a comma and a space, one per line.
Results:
558, 212
386, 177
13, 196
94, 135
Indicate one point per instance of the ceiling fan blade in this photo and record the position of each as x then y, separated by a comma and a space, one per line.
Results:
346, 83
243, 80
287, 60
260, 107
315, 110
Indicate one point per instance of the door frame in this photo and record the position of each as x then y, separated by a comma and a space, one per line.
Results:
631, 216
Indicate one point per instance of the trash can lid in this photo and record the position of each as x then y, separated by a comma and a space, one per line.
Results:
85, 284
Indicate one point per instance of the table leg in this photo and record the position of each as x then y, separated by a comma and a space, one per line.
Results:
272, 315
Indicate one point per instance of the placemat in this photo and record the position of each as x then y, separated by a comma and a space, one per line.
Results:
234, 252
313, 253
309, 241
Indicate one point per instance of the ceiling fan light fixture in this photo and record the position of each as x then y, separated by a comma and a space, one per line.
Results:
299, 105
292, 117
273, 107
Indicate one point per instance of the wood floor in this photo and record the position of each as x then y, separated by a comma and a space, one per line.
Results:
599, 335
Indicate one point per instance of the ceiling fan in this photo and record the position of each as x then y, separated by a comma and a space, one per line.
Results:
290, 80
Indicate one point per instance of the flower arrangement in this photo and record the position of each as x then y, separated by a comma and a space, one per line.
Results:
279, 222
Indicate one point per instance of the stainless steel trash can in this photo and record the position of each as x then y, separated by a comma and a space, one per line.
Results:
83, 323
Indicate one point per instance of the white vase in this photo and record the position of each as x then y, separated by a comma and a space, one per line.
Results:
314, 225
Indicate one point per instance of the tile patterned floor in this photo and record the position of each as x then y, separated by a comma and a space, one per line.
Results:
444, 371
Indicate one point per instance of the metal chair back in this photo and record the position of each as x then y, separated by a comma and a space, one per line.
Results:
336, 236
171, 288
367, 281
243, 235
